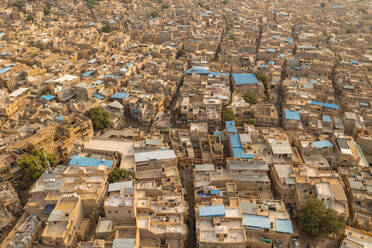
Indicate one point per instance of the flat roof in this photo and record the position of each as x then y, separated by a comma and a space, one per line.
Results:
157, 155
120, 185
124, 243
230, 126
212, 211
325, 105
204, 167
256, 221
283, 226
18, 92
322, 144
89, 162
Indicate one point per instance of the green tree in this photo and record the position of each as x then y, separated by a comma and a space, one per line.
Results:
350, 30
180, 53
29, 18
154, 14
228, 115
19, 4
263, 78
119, 174
322, 4
46, 10
250, 97
36, 163
252, 121
225, 2
100, 118
317, 220
165, 6
106, 28
90, 3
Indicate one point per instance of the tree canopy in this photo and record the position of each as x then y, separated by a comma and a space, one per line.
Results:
106, 28
36, 163
250, 97
100, 118
119, 174
263, 78
180, 53
228, 115
317, 220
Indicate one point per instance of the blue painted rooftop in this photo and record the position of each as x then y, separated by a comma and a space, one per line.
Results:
47, 97
6, 69
325, 105
89, 162
204, 71
212, 211
60, 118
237, 148
120, 95
322, 144
256, 221
98, 82
230, 126
218, 133
354, 62
111, 76
326, 118
283, 226
270, 50
245, 78
100, 97
292, 115
88, 73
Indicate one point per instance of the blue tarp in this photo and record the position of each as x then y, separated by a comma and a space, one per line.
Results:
326, 118
120, 95
235, 141
5, 70
313, 81
98, 96
325, 105
354, 62
212, 211
92, 61
245, 78
256, 221
322, 144
292, 115
4, 53
230, 126
111, 21
91, 24
88, 73
262, 66
283, 226
47, 97
89, 162
48, 209
271, 62
276, 37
